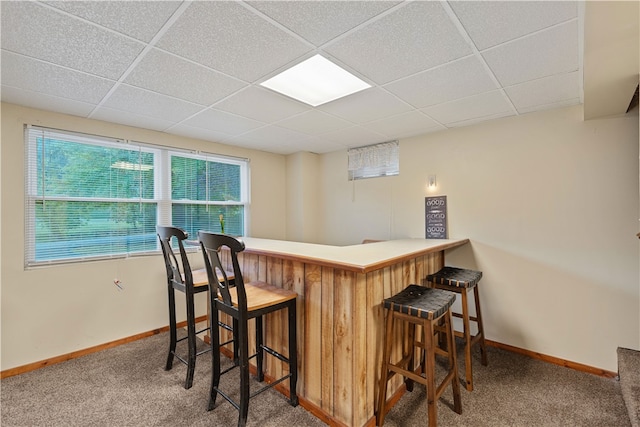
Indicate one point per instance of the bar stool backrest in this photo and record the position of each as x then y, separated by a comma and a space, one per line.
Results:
212, 244
177, 272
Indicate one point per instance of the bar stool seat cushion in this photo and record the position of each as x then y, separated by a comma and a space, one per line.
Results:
455, 277
419, 301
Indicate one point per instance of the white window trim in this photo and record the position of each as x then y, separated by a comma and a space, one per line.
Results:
162, 188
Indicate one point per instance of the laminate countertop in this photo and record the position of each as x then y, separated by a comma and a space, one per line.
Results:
361, 258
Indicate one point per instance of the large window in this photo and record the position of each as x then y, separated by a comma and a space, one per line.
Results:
89, 197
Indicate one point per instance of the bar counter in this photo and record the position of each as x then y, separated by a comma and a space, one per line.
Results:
339, 314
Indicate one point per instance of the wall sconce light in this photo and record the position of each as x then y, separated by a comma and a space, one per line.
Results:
431, 182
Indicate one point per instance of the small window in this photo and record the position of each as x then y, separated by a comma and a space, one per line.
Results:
374, 160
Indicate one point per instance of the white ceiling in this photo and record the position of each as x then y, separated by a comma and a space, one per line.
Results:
194, 68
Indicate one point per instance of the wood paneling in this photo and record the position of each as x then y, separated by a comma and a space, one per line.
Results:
312, 341
326, 340
340, 330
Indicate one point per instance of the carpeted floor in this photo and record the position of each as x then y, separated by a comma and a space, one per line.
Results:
514, 390
629, 370
127, 386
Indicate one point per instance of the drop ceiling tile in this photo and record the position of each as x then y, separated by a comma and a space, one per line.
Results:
365, 106
56, 51
150, 104
474, 107
250, 144
473, 121
274, 134
228, 37
319, 145
548, 90
403, 125
46, 102
314, 122
283, 148
355, 136
413, 38
553, 105
138, 19
273, 139
37, 31
321, 21
170, 75
455, 80
490, 23
261, 104
197, 133
25, 73
131, 119
550, 52
220, 121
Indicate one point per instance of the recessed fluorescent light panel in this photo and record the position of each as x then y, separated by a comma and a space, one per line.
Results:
316, 81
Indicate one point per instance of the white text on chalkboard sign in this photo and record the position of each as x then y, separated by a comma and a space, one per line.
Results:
435, 209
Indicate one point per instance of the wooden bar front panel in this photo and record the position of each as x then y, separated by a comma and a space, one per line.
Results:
340, 329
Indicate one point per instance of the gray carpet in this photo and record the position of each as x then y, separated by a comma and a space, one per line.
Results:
629, 371
127, 386
514, 390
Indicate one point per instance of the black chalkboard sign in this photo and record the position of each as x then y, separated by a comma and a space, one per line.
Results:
435, 209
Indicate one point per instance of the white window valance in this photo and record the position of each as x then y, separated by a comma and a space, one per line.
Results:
374, 160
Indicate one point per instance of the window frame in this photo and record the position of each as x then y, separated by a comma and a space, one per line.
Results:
207, 157
161, 183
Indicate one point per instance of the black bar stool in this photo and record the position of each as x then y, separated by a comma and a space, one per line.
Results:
243, 302
462, 281
180, 277
426, 307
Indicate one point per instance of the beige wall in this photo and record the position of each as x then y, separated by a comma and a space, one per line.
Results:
302, 197
47, 312
550, 203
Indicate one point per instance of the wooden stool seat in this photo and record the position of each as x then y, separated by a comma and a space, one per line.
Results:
462, 281
418, 305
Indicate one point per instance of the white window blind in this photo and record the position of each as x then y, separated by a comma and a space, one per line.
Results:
374, 160
208, 193
90, 197
87, 197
